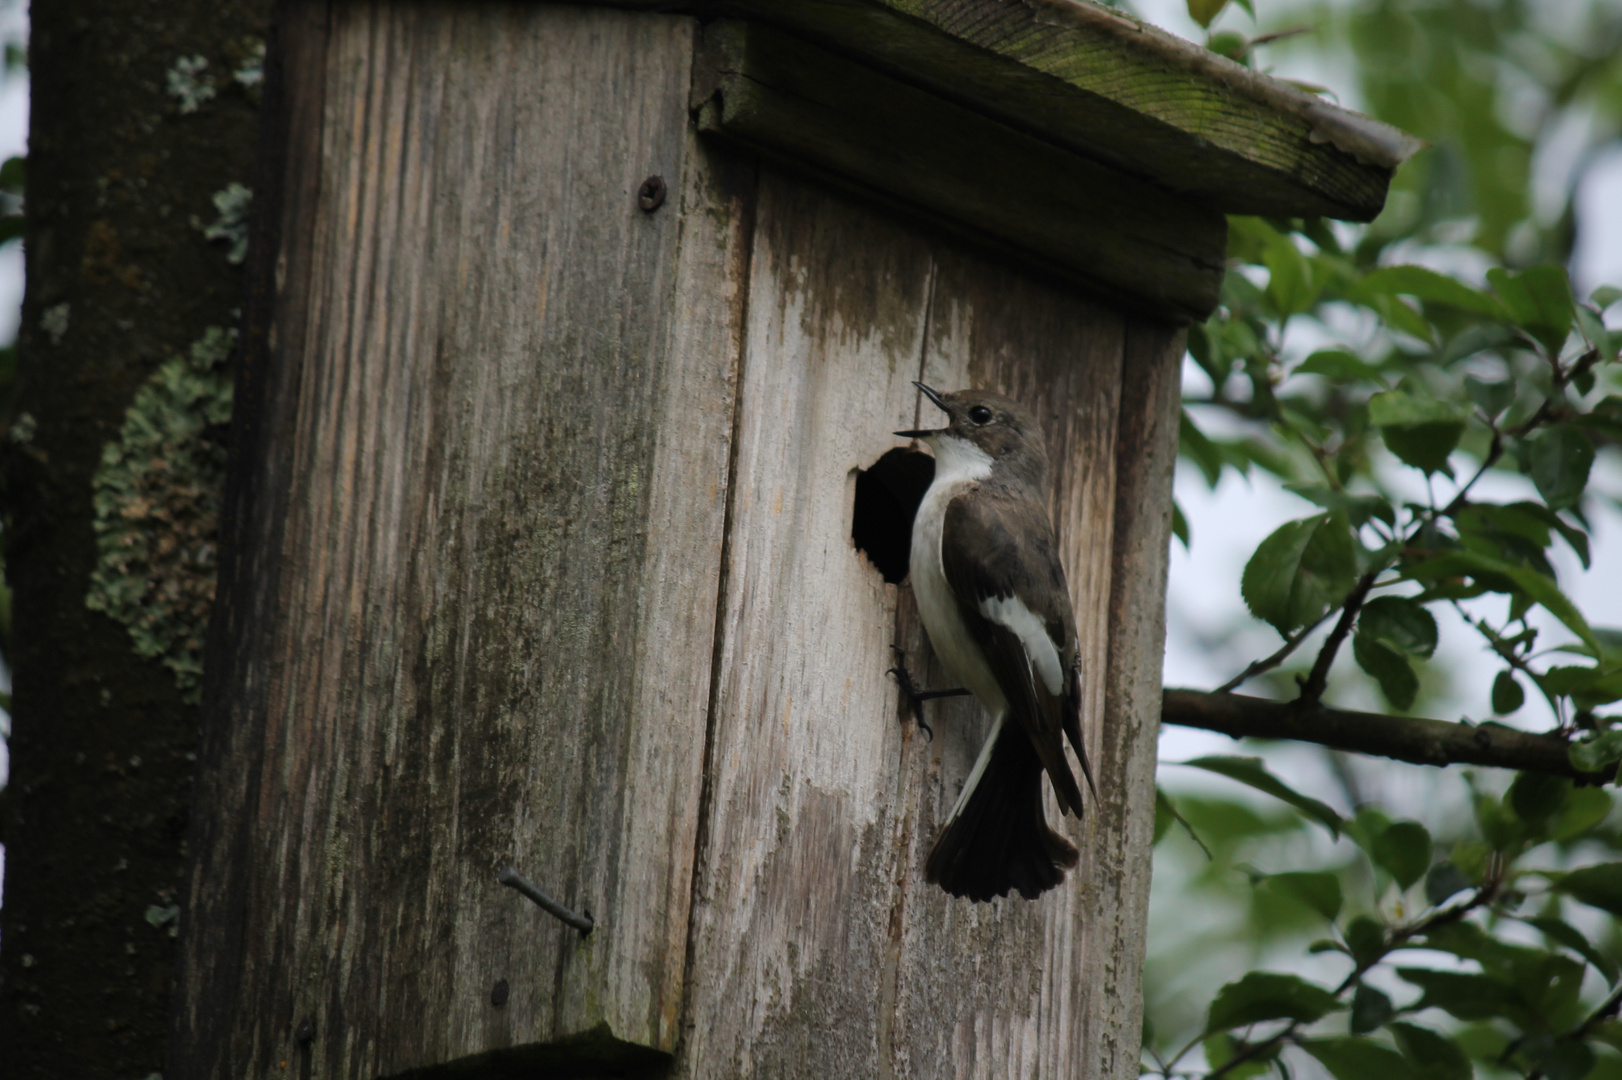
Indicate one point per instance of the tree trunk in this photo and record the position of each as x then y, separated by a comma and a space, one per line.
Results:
120, 278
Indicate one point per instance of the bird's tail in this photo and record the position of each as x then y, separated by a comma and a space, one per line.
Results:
998, 839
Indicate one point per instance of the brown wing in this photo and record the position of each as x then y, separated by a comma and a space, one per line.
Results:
998, 546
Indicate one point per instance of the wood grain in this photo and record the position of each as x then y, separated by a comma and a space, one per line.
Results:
1002, 989
480, 533
1117, 236
818, 948
1101, 83
795, 881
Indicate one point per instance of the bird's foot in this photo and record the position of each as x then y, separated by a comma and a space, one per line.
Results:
915, 696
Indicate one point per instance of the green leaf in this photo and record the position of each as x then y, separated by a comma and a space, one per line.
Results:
1397, 314
1507, 694
1528, 521
1490, 398
1436, 1057
1463, 995
1604, 296
1444, 882
1203, 11
1179, 524
1389, 668
1370, 1009
1559, 460
1318, 890
1163, 816
1589, 686
1339, 365
1359, 1059
1365, 939
1563, 1059
1269, 583
1400, 623
1267, 995
1424, 446
1603, 339
1564, 933
1403, 850
1196, 446
1222, 1048
1359, 508
1398, 408
1249, 770
1434, 288
1596, 754
1422, 431
1300, 570
1585, 808
1597, 886
1534, 585
1537, 796
1538, 301
1292, 284
12, 179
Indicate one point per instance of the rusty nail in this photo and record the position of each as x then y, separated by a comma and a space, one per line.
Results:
498, 993
651, 195
514, 880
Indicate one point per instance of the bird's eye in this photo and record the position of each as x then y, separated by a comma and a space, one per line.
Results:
980, 414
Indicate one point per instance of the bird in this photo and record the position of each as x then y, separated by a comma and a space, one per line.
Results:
991, 591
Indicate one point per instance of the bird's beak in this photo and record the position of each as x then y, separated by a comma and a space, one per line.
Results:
940, 404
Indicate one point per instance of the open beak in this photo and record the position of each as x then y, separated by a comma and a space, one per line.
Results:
934, 397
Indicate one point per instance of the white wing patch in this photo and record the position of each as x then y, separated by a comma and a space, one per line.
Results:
1040, 651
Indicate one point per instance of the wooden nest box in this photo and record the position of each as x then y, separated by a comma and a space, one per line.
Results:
577, 337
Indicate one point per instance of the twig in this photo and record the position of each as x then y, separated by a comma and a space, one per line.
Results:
1313, 689
1507, 654
1271, 662
1494, 452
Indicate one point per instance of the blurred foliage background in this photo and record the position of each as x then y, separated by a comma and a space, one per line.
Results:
1448, 410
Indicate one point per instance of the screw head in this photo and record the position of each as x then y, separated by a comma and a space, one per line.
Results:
305, 1032
498, 993
651, 195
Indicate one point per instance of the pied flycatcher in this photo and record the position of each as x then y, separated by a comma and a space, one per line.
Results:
990, 589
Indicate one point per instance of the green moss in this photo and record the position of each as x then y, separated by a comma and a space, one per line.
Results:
157, 509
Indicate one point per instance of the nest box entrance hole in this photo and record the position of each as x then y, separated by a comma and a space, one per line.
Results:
887, 496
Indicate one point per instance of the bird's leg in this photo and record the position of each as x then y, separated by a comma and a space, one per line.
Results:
915, 696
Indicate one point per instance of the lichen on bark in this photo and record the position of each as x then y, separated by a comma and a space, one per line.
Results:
157, 509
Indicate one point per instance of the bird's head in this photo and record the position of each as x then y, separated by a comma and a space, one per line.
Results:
978, 420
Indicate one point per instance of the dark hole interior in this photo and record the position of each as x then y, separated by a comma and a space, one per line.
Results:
887, 498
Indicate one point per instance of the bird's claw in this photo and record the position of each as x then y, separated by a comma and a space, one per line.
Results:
915, 697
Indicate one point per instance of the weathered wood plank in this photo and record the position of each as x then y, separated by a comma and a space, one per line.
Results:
1112, 232
795, 880
488, 498
1145, 456
1194, 121
1003, 989
1101, 83
818, 949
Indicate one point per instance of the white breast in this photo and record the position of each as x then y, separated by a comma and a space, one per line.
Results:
958, 464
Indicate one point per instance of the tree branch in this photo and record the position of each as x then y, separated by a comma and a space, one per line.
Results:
1413, 739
